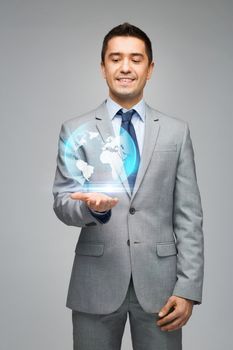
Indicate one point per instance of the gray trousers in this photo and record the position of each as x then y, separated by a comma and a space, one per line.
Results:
105, 332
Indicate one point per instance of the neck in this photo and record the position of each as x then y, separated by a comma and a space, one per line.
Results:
126, 103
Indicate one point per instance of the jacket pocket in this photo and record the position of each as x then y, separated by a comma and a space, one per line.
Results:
93, 249
166, 248
165, 147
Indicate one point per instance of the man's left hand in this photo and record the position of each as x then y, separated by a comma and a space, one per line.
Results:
178, 317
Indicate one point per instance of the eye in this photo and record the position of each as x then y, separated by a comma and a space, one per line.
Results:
115, 59
136, 61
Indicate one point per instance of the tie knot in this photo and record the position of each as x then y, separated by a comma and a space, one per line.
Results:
126, 117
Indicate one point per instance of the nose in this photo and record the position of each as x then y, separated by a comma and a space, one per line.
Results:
125, 67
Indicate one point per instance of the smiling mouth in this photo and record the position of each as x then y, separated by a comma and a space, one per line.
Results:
125, 80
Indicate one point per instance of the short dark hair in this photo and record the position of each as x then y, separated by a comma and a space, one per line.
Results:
127, 29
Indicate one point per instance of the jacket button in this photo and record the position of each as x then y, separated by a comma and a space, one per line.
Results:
132, 210
128, 242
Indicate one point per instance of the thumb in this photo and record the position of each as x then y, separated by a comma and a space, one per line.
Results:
79, 195
165, 309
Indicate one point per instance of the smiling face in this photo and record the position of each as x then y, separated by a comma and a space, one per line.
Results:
126, 69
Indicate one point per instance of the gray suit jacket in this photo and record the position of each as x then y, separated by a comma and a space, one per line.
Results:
155, 233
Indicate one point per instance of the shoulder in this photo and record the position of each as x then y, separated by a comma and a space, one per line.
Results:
168, 121
76, 121
172, 128
167, 118
79, 123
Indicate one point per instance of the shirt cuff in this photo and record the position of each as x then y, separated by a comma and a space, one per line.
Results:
102, 217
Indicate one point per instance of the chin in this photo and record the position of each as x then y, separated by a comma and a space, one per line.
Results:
124, 94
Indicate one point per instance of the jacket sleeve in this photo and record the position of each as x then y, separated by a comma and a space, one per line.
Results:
71, 212
187, 225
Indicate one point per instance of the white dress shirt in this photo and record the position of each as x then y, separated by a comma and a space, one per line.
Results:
138, 119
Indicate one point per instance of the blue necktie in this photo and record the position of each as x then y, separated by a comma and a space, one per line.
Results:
128, 126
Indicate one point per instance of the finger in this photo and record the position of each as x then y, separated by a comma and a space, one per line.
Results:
92, 202
172, 326
98, 203
169, 318
102, 208
80, 195
166, 308
105, 204
88, 202
114, 201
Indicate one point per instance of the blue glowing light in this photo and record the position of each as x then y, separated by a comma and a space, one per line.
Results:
97, 165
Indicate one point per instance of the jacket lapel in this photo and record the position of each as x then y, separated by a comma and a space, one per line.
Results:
105, 128
150, 137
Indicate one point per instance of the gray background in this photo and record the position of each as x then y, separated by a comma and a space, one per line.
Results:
50, 56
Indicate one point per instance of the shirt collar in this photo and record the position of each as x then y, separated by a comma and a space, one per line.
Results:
114, 107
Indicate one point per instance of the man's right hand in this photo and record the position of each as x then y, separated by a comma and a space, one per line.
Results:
96, 201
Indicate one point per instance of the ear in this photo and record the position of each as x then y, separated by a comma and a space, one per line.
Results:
103, 70
150, 70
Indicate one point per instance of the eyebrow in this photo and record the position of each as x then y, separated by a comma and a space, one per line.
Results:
131, 54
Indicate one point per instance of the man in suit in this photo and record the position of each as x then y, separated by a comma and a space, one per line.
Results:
141, 248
